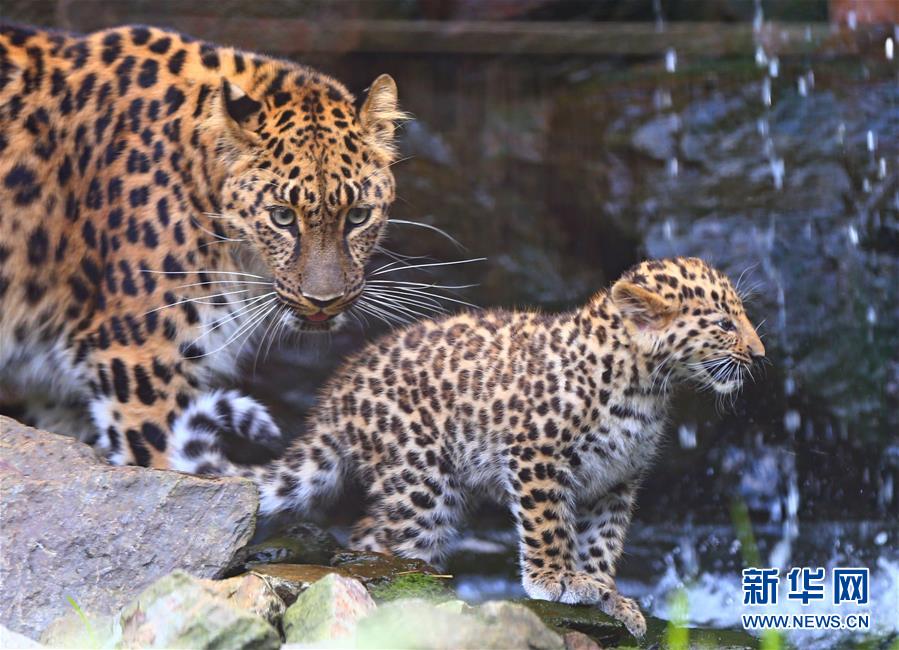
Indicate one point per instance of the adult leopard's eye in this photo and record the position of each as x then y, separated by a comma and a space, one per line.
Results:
358, 216
282, 216
726, 324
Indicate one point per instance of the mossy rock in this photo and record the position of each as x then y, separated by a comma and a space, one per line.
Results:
411, 585
610, 633
603, 629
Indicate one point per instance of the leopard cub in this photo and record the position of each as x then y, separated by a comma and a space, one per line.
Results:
555, 416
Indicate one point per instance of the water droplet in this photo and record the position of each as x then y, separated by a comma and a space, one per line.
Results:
871, 315
881, 538
762, 127
841, 133
888, 49
661, 99
766, 91
789, 385
802, 86
792, 421
774, 67
885, 496
882, 168
686, 435
853, 235
777, 172
761, 59
872, 141
671, 59
673, 167
866, 185
851, 19
668, 229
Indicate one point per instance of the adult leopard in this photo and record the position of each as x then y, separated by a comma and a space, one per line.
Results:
160, 198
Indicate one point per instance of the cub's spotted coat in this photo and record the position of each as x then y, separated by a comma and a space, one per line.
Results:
557, 416
160, 199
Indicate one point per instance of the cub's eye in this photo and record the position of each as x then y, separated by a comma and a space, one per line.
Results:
358, 216
282, 216
726, 324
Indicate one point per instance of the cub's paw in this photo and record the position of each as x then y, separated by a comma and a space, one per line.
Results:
627, 611
567, 587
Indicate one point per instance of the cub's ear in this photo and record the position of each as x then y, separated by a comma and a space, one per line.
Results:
379, 114
238, 106
645, 308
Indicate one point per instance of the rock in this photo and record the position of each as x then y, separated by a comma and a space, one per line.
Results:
13, 640
454, 606
656, 137
301, 543
603, 629
329, 609
251, 593
579, 641
492, 626
411, 585
609, 633
181, 611
79, 629
104, 533
523, 628
290, 580
374, 568
177, 611
388, 578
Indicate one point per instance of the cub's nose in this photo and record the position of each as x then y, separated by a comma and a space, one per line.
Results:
753, 343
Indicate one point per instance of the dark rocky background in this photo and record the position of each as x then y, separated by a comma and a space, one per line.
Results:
566, 153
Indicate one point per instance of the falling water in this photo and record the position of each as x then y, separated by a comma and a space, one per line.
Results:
671, 60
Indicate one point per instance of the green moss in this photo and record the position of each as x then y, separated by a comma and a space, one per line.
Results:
411, 585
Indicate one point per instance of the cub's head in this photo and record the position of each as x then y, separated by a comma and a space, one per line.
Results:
689, 320
309, 183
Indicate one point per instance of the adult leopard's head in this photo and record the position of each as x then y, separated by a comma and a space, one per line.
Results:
309, 183
689, 321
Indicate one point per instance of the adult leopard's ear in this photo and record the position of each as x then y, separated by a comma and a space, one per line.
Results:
642, 306
379, 115
237, 107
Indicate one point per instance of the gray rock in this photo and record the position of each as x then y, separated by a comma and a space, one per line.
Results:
329, 609
492, 626
76, 528
251, 593
656, 137
180, 611
10, 640
177, 611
